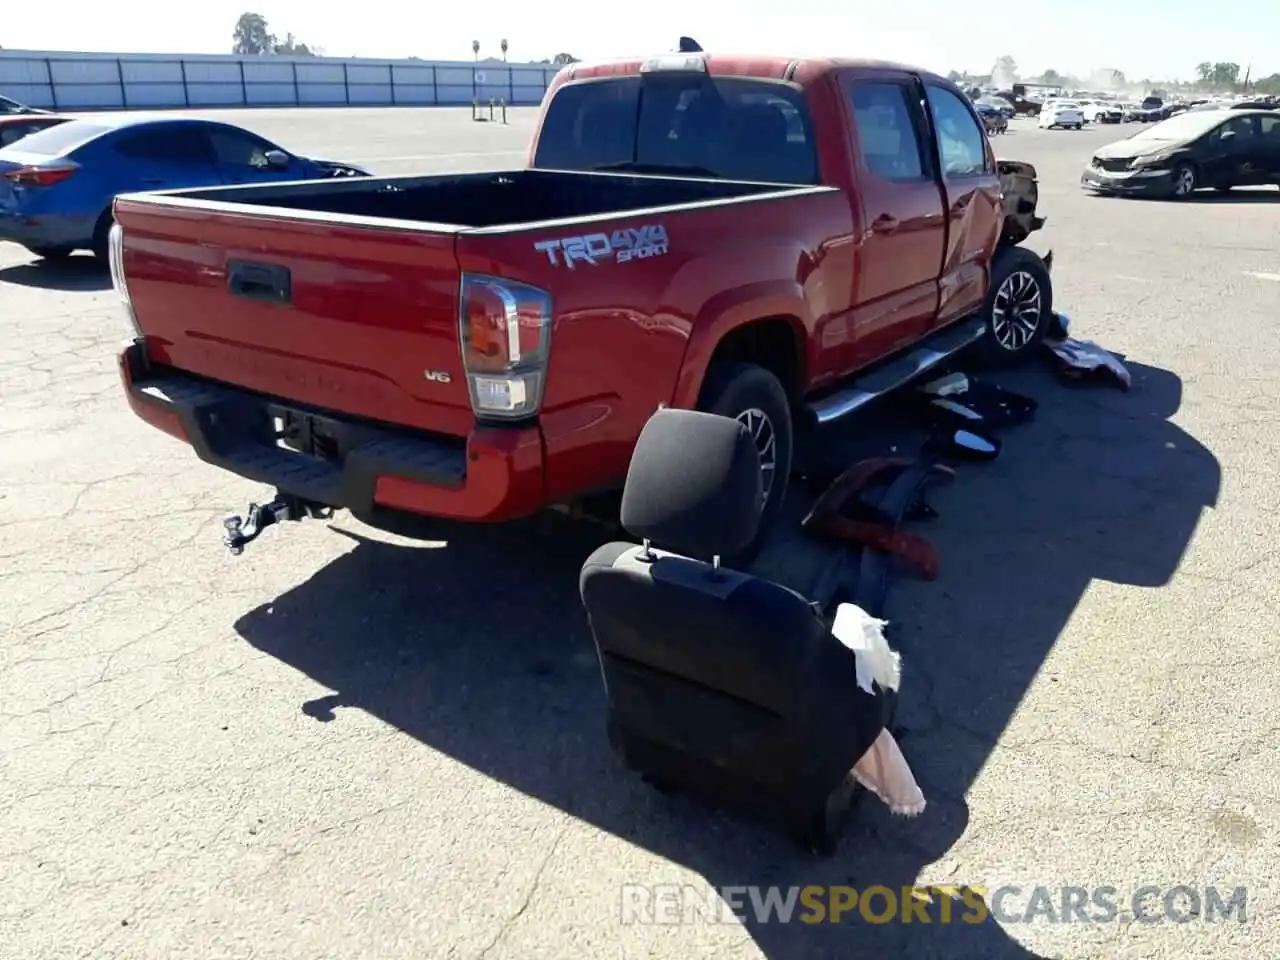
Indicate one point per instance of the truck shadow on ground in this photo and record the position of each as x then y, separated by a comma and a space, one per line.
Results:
480, 650
76, 274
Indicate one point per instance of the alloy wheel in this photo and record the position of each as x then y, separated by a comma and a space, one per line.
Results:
762, 432
1016, 311
1186, 182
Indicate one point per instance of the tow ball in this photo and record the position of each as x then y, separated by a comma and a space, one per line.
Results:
237, 531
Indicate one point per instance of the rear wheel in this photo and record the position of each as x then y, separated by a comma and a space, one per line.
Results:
102, 234
755, 398
55, 254
1019, 306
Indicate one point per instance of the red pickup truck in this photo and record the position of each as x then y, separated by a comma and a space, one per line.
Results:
775, 240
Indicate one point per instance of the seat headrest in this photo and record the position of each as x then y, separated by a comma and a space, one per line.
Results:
694, 485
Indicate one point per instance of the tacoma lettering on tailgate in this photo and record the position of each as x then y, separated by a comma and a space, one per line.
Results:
633, 243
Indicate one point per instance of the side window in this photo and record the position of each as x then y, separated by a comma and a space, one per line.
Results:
1270, 127
234, 149
887, 139
962, 146
176, 145
1236, 132
13, 132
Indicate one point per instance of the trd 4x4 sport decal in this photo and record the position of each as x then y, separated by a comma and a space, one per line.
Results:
633, 243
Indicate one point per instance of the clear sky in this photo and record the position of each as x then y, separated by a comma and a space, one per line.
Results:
1162, 40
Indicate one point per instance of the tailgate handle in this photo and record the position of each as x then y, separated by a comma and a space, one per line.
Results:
260, 281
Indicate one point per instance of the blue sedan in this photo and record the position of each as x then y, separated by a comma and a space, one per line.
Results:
56, 186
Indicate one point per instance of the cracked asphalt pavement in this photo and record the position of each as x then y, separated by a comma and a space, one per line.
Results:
344, 744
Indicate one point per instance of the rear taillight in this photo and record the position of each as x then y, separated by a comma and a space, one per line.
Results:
115, 260
38, 176
506, 341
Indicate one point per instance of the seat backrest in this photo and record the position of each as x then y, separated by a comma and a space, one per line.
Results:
719, 665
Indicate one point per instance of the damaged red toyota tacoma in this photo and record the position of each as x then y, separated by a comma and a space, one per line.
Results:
776, 240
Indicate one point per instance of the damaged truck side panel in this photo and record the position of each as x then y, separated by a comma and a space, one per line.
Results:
759, 238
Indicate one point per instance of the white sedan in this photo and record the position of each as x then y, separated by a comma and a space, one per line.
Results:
1061, 113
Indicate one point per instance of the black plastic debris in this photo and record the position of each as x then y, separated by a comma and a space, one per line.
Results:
1086, 360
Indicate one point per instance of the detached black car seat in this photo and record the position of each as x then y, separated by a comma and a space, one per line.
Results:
721, 685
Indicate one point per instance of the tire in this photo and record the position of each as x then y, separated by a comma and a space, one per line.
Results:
1185, 181
53, 254
101, 235
1018, 309
754, 396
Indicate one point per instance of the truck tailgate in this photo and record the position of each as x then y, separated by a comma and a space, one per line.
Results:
357, 319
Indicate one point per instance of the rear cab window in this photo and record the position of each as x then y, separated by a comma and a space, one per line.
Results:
683, 124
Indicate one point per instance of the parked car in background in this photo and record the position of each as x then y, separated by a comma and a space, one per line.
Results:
15, 126
1155, 109
1217, 148
8, 107
1061, 113
1103, 111
57, 185
994, 119
1132, 112
1006, 108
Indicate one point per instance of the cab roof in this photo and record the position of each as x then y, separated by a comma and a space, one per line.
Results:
800, 70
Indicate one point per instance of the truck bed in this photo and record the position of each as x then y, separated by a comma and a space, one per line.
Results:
482, 200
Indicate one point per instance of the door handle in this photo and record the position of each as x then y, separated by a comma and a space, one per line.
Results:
152, 182
260, 281
884, 224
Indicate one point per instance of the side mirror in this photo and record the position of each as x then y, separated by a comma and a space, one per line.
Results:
278, 159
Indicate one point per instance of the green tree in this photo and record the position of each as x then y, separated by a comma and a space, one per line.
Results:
1268, 85
1051, 77
1226, 75
563, 59
251, 37
1205, 72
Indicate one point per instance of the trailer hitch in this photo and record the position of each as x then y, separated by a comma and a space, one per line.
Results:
237, 532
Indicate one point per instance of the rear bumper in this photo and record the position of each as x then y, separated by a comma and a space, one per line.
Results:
55, 230
493, 475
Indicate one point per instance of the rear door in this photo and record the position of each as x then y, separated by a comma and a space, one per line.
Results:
1269, 146
971, 191
161, 156
895, 283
